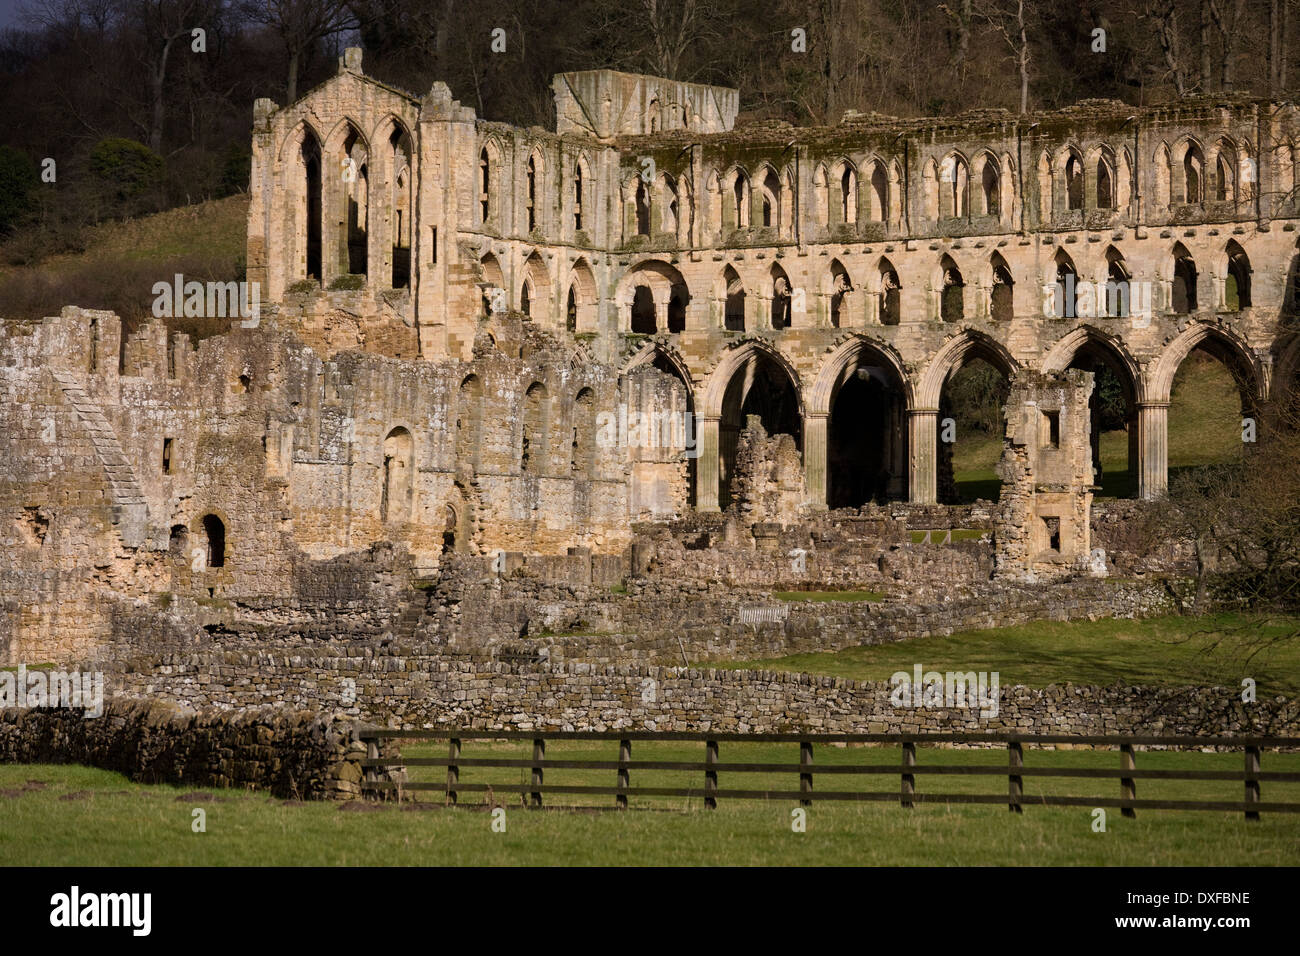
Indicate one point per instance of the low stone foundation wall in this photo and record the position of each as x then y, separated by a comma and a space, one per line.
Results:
436, 691
655, 625
291, 754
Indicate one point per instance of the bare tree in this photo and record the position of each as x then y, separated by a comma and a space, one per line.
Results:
299, 24
672, 26
165, 28
1226, 15
1011, 22
1164, 14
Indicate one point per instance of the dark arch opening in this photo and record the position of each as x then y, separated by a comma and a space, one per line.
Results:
989, 183
1074, 182
780, 299
762, 388
642, 209
1105, 192
1184, 285
841, 287
734, 310
890, 292
643, 311
311, 156
449, 530
1066, 296
1002, 296
1112, 410
357, 205
676, 313
1117, 300
1236, 291
952, 304
215, 533
866, 448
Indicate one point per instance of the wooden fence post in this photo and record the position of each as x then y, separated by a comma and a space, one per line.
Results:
1252, 786
1127, 785
909, 780
453, 771
710, 776
805, 776
1015, 782
624, 775
539, 754
372, 773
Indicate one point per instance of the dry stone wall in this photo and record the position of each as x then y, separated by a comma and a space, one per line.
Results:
413, 692
300, 755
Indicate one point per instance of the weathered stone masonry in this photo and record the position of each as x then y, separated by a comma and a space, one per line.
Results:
457, 310
771, 267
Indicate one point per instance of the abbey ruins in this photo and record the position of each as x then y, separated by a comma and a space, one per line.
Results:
557, 394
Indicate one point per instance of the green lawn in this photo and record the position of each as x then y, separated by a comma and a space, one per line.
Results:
1170, 651
828, 595
93, 817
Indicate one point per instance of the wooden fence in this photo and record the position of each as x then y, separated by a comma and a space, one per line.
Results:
1015, 770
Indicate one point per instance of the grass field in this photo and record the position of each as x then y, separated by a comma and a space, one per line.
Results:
76, 816
823, 596
1168, 651
1204, 428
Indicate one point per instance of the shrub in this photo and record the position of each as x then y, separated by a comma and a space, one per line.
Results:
129, 168
17, 180
348, 283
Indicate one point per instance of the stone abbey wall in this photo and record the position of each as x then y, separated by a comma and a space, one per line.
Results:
771, 268
468, 326
249, 466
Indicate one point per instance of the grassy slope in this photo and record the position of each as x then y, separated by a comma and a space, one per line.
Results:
1171, 651
217, 228
115, 822
123, 260
1204, 428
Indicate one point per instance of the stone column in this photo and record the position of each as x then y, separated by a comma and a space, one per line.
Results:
1153, 449
922, 434
814, 459
706, 467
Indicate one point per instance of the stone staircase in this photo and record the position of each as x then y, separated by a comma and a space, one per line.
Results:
129, 508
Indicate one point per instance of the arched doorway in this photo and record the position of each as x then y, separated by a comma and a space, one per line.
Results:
759, 386
866, 430
1113, 409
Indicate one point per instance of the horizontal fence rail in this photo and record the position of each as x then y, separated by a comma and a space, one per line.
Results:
1015, 770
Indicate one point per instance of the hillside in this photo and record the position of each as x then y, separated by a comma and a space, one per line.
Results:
123, 260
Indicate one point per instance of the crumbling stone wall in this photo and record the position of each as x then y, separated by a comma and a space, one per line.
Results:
1044, 522
768, 483
219, 474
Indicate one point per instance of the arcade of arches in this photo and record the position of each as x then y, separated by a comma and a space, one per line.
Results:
865, 435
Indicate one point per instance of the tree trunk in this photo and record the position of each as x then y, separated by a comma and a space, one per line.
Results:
291, 87
829, 31
1274, 46
158, 90
1024, 58
1281, 45
1166, 20
1205, 46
